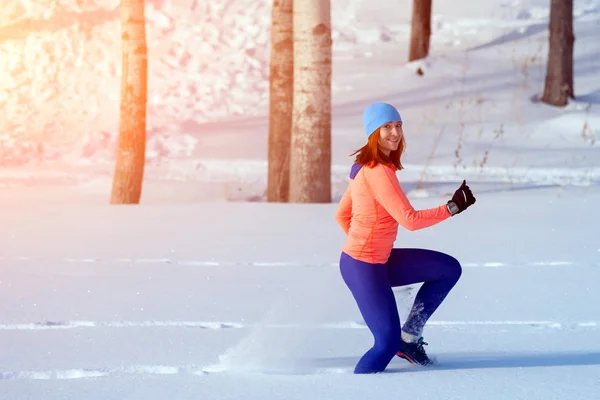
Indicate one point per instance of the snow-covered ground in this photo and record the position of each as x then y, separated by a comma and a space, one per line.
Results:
224, 300
206, 291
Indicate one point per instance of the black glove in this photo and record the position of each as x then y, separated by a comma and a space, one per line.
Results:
463, 198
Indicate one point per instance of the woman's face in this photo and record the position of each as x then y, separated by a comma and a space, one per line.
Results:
390, 135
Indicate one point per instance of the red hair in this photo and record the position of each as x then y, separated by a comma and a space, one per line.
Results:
370, 154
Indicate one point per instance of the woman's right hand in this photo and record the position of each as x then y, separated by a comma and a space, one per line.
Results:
463, 198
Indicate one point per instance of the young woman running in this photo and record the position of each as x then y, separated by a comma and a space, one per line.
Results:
369, 212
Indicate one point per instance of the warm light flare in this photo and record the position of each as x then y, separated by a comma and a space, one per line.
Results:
60, 68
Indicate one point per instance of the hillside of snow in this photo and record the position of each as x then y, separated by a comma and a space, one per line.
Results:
474, 112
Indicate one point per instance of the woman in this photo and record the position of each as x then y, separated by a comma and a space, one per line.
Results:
369, 213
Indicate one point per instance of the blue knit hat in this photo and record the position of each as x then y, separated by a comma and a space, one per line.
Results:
378, 114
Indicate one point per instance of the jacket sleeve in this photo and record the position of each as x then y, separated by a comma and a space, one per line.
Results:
344, 211
387, 191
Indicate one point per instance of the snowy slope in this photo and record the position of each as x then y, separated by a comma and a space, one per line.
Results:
472, 109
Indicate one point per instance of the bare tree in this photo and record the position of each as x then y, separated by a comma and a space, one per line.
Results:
281, 88
421, 30
559, 70
310, 166
131, 150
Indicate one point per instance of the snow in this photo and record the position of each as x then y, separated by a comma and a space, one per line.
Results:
207, 291
227, 299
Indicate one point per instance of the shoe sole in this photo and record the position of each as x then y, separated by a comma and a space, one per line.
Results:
410, 360
407, 358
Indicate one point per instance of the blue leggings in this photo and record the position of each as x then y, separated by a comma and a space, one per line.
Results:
371, 285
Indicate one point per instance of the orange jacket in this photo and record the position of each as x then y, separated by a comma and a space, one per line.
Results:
372, 207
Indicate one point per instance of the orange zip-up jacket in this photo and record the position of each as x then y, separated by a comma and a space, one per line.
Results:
372, 207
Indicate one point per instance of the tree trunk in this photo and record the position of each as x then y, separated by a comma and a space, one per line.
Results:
281, 92
131, 150
559, 70
310, 167
421, 30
